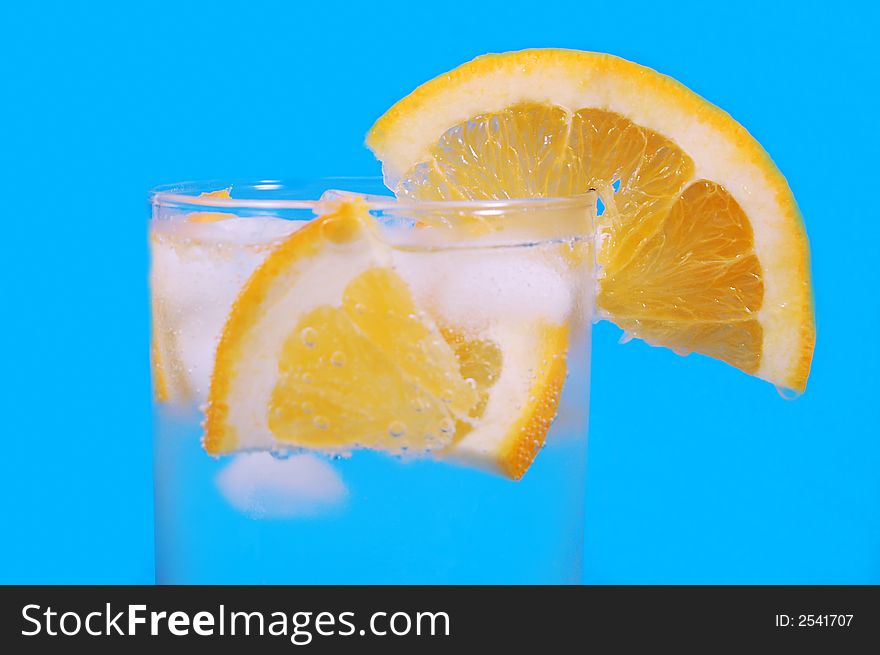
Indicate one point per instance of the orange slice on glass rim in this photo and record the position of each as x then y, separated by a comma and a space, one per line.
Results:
701, 245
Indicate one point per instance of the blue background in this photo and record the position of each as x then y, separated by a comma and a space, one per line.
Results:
697, 473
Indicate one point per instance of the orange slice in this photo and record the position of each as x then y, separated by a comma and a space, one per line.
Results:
328, 347
169, 378
702, 247
212, 217
325, 349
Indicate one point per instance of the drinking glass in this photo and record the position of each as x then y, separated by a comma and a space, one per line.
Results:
505, 287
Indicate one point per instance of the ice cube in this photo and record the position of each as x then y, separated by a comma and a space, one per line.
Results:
242, 230
476, 287
198, 270
264, 486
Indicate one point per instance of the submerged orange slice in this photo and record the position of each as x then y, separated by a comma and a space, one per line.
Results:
328, 348
212, 217
701, 247
325, 349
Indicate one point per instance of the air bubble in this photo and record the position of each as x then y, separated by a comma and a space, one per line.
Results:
447, 426
281, 453
306, 378
420, 405
359, 308
338, 358
309, 336
320, 422
307, 408
397, 429
471, 383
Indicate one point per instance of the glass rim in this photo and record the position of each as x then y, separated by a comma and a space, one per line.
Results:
174, 194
